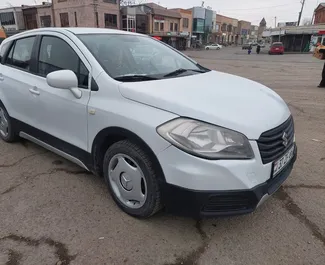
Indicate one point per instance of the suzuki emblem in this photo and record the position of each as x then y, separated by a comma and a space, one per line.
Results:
285, 139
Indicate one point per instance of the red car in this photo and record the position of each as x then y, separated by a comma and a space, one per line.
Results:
276, 48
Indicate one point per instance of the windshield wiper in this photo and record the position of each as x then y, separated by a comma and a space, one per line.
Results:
134, 78
182, 70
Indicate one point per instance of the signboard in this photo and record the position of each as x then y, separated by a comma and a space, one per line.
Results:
287, 24
244, 32
278, 32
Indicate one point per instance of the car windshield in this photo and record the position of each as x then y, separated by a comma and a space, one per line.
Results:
127, 55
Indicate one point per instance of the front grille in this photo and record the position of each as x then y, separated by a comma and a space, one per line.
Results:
271, 143
230, 203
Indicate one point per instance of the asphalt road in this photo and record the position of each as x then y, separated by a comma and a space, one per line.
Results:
53, 212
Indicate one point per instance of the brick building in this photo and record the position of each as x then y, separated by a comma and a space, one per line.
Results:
73, 13
186, 24
227, 29
320, 14
244, 29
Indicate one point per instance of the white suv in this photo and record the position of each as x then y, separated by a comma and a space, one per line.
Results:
164, 131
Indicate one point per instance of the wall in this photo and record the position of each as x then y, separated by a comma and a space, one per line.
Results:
320, 16
85, 12
167, 21
44, 11
198, 12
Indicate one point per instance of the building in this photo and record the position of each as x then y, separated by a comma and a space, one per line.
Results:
186, 24
12, 20
244, 28
38, 16
78, 13
198, 24
228, 30
319, 14
261, 28
299, 38
157, 21
253, 36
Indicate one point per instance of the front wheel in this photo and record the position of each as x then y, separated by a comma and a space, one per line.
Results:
132, 180
7, 132
207, 49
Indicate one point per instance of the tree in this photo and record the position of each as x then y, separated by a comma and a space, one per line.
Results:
306, 21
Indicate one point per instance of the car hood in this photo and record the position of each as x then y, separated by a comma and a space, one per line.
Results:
222, 99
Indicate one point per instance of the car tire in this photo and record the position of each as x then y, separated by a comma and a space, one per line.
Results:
126, 163
207, 49
218, 49
7, 132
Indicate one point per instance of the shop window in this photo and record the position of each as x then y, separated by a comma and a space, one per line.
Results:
7, 18
176, 27
162, 26
171, 26
45, 21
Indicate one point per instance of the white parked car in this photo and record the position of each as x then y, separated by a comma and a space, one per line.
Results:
164, 132
213, 47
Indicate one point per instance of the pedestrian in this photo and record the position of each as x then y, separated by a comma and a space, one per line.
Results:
258, 49
322, 82
249, 49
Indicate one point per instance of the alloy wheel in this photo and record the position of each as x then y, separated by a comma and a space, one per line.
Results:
4, 126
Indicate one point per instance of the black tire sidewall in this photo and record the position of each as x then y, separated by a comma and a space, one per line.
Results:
11, 137
132, 150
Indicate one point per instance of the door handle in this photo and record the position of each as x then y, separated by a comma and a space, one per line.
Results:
34, 91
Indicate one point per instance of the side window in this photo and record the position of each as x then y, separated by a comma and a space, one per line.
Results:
55, 54
3, 50
21, 53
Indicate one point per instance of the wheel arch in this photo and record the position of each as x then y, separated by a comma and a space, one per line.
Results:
110, 135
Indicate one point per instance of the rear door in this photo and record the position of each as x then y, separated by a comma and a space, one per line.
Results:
17, 80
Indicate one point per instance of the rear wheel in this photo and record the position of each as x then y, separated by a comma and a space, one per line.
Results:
207, 48
7, 132
132, 179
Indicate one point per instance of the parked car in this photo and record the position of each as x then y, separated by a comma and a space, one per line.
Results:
213, 47
166, 134
276, 48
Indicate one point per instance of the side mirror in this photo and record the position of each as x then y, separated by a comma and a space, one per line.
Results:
64, 79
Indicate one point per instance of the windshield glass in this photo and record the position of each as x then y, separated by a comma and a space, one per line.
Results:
122, 55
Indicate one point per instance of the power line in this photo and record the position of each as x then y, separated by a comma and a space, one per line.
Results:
266, 7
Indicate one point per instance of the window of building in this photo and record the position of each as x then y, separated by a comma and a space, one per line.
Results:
162, 26
156, 28
75, 19
110, 1
55, 54
185, 22
224, 27
7, 18
45, 21
110, 21
171, 26
176, 27
20, 53
64, 19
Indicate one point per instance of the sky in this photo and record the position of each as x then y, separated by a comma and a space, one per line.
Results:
250, 10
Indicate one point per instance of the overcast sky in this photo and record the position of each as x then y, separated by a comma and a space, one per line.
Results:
250, 10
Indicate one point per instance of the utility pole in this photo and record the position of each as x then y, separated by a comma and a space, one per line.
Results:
275, 22
302, 9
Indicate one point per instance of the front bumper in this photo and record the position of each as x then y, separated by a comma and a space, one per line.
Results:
198, 204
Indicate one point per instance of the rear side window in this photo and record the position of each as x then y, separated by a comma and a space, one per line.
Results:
277, 45
21, 53
55, 54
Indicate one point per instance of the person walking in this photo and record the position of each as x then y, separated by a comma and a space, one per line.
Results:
258, 49
249, 49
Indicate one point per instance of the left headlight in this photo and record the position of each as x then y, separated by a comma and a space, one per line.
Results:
206, 140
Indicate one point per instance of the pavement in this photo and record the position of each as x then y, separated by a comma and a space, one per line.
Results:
53, 212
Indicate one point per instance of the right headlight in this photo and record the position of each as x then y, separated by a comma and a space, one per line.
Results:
206, 140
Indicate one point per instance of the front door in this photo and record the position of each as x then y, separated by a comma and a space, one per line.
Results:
61, 114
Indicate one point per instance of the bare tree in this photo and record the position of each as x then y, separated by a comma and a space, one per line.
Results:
306, 21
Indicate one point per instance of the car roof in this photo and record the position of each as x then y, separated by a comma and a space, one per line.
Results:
76, 31
277, 43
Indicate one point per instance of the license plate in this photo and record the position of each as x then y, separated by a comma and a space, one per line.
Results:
280, 164
277, 49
